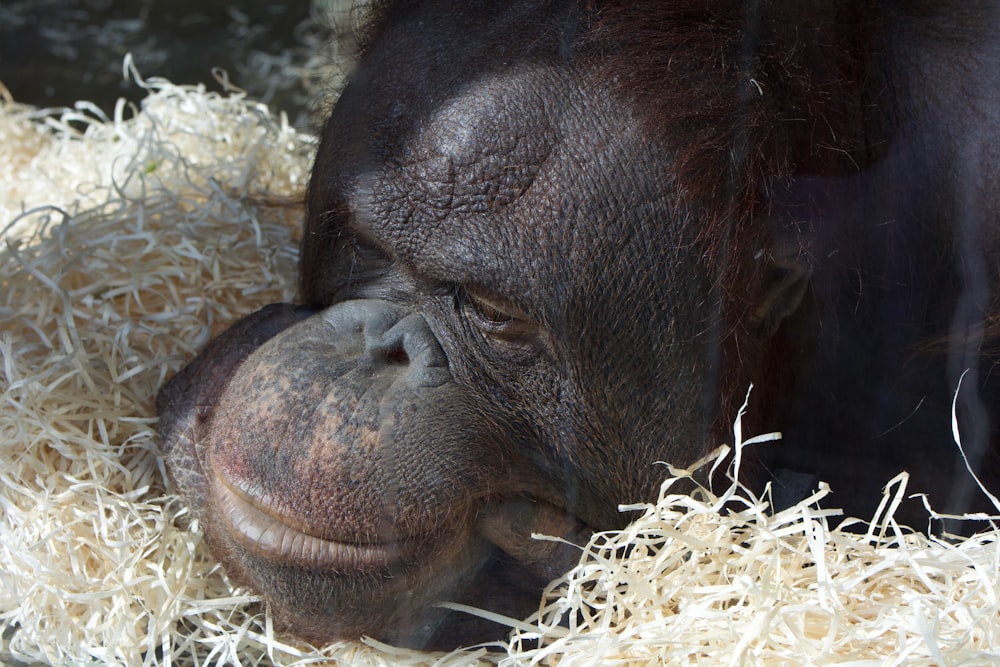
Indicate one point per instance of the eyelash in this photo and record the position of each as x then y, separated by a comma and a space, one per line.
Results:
493, 322
516, 336
487, 313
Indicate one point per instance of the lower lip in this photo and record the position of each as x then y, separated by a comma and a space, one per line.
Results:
271, 538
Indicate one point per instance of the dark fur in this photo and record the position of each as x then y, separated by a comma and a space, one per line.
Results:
776, 166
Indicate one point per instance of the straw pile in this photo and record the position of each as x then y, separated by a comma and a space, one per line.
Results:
131, 242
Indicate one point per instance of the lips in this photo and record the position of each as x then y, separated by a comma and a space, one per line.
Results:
261, 530
265, 531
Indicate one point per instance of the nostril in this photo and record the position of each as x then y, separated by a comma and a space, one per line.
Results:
396, 355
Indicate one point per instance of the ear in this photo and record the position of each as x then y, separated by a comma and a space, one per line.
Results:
785, 284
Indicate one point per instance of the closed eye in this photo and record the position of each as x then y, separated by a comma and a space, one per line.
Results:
496, 319
488, 313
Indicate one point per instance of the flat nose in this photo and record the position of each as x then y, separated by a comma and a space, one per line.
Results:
411, 342
391, 336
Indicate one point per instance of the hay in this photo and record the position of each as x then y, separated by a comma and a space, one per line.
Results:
715, 579
131, 242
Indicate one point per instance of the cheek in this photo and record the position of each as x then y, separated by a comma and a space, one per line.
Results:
186, 401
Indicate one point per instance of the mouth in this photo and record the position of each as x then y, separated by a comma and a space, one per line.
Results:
261, 530
509, 525
484, 557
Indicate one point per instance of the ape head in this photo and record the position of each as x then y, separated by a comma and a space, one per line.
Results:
521, 276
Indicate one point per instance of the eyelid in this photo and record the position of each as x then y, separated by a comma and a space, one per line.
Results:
513, 328
496, 310
500, 306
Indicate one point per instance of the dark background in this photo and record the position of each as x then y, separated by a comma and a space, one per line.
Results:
55, 52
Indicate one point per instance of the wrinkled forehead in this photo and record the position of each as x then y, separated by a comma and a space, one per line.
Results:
473, 135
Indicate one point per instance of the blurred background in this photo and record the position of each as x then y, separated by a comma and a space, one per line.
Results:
283, 53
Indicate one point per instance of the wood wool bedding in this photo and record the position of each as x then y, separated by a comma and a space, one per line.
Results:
129, 243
